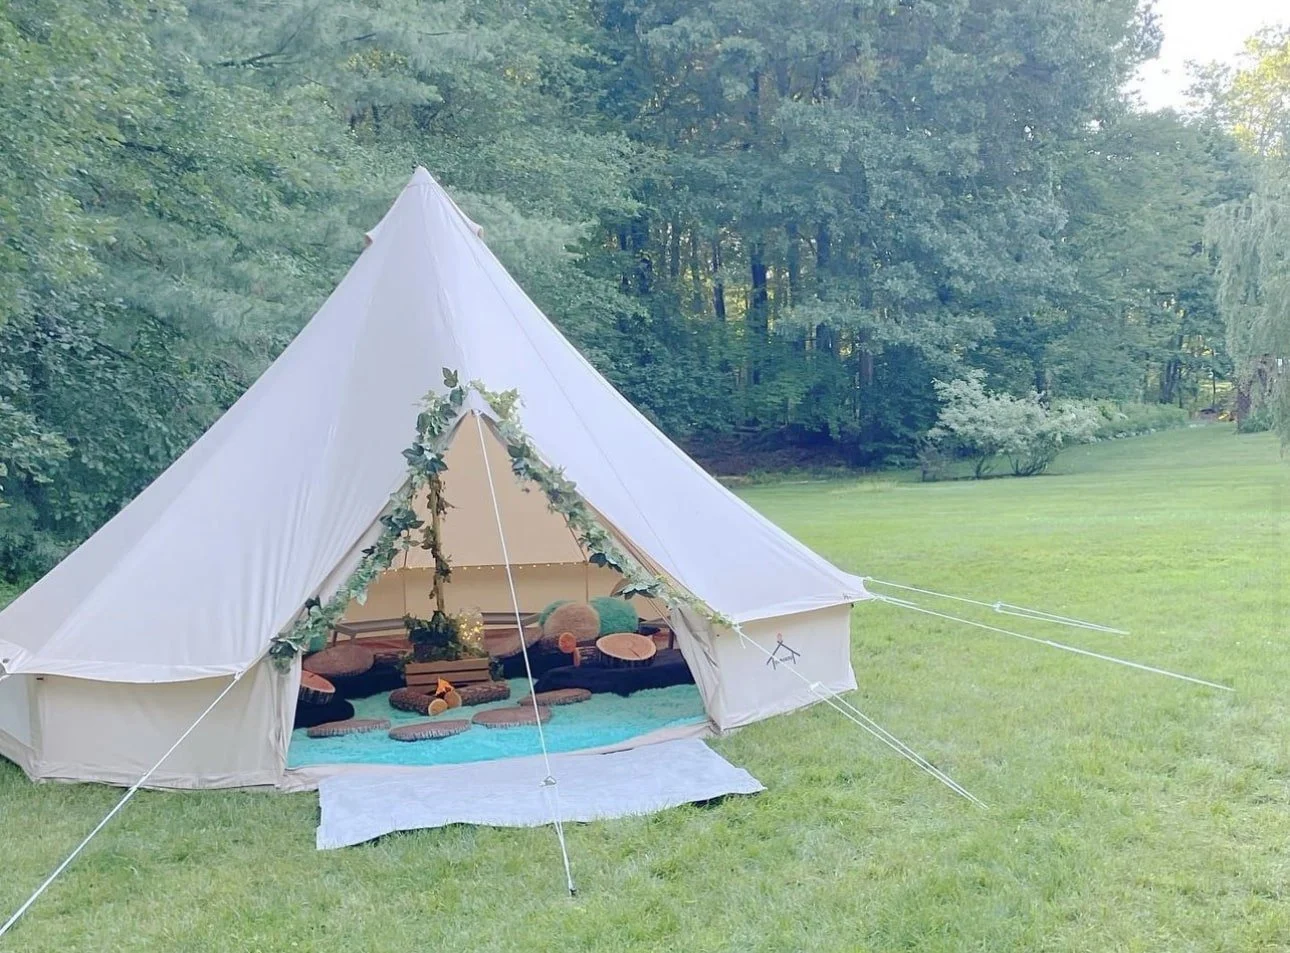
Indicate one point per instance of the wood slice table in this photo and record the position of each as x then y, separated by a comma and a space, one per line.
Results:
626, 650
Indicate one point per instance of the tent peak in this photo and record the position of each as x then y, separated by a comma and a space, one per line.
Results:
421, 177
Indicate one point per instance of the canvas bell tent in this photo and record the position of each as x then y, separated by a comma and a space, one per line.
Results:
109, 658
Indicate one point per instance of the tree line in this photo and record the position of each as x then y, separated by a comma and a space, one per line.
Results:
770, 224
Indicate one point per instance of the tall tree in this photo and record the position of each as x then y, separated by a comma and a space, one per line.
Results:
1252, 236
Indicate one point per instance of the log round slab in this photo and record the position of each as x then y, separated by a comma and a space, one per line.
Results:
409, 699
559, 696
577, 618
354, 726
429, 730
481, 693
342, 660
315, 690
626, 649
511, 717
507, 644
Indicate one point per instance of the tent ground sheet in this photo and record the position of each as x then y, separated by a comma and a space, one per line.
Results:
360, 806
602, 720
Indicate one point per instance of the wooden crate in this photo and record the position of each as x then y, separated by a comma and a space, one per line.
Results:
464, 671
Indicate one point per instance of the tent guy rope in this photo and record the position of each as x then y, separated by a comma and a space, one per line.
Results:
1004, 608
905, 604
125, 798
856, 716
549, 785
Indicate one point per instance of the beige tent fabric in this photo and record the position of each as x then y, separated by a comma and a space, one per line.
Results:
534, 534
139, 628
114, 732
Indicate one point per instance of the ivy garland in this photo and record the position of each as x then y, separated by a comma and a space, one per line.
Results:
426, 465
563, 498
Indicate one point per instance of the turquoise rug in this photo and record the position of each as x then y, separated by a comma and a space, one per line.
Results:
602, 720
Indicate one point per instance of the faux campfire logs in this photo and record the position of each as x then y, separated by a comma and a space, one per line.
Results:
626, 650
481, 693
484, 692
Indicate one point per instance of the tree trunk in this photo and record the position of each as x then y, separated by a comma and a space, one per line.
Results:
718, 286
824, 337
794, 265
758, 308
674, 249
696, 274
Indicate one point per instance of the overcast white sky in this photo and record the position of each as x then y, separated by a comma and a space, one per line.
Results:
1201, 30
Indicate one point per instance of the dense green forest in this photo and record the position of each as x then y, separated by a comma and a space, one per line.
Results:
770, 224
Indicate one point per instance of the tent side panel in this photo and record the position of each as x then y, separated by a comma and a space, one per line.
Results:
695, 640
17, 734
113, 732
753, 688
15, 708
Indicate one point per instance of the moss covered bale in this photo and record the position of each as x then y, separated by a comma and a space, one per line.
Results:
616, 615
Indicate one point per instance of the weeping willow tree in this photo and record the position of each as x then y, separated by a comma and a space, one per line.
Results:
1252, 236
1253, 243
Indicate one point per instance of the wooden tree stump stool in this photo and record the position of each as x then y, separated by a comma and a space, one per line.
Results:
626, 650
355, 726
343, 660
315, 690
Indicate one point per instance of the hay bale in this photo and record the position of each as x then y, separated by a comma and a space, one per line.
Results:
507, 644
546, 613
577, 618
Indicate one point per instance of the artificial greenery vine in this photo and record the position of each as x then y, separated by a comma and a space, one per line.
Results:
563, 498
425, 458
426, 465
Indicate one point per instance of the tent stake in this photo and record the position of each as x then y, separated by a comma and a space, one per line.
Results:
859, 718
549, 786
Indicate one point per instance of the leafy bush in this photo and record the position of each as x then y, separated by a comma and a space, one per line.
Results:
1260, 419
933, 461
984, 426
1134, 419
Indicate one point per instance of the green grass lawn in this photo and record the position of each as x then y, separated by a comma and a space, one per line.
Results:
1126, 811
